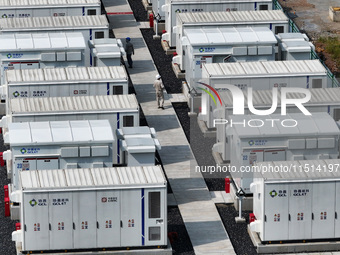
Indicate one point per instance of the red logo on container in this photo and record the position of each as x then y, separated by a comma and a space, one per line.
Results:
75, 92
104, 199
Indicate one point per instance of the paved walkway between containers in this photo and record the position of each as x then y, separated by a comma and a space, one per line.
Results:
202, 221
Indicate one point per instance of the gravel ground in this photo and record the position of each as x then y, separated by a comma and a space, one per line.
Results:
182, 244
138, 10
237, 232
162, 63
7, 226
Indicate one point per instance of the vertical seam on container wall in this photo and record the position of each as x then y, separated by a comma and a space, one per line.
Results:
255, 7
90, 49
83, 11
307, 81
118, 145
143, 222
108, 88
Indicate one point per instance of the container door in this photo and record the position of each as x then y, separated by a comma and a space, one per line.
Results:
155, 217
337, 210
108, 219
60, 211
84, 219
274, 155
323, 208
132, 215
300, 199
276, 212
250, 158
47, 163
22, 164
36, 228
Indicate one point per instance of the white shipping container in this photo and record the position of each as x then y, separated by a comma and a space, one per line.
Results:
276, 137
44, 8
275, 20
47, 50
295, 50
74, 209
63, 82
91, 27
322, 100
220, 45
57, 145
157, 8
261, 75
303, 203
172, 7
120, 110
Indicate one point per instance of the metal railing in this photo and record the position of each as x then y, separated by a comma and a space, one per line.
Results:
293, 28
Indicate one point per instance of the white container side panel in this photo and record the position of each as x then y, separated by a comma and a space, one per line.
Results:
175, 7
300, 207
337, 211
108, 218
60, 211
275, 212
36, 222
132, 233
323, 210
84, 217
26, 11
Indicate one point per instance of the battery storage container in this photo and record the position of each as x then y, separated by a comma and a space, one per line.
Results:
65, 82
260, 140
32, 8
263, 75
73, 209
172, 7
303, 204
57, 145
322, 100
220, 45
121, 111
43, 50
275, 20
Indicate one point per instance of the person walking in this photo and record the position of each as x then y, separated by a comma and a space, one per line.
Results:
159, 87
129, 51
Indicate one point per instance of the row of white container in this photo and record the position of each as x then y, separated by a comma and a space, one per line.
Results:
92, 208
240, 44
45, 8
300, 204
71, 81
169, 8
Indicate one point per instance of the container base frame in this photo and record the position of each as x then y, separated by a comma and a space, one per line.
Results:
291, 247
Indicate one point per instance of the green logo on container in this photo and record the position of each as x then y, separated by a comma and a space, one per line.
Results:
251, 142
9, 55
16, 94
23, 151
201, 49
273, 193
33, 202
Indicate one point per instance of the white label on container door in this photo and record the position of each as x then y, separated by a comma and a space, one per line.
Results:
36, 227
61, 225
84, 225
277, 217
323, 216
131, 223
108, 224
300, 216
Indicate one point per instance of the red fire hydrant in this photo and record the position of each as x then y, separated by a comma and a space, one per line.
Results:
151, 18
227, 185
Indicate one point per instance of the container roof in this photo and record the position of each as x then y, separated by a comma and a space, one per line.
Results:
320, 96
231, 17
325, 165
292, 37
66, 75
315, 125
85, 178
263, 68
35, 41
45, 23
69, 105
44, 3
59, 132
230, 36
